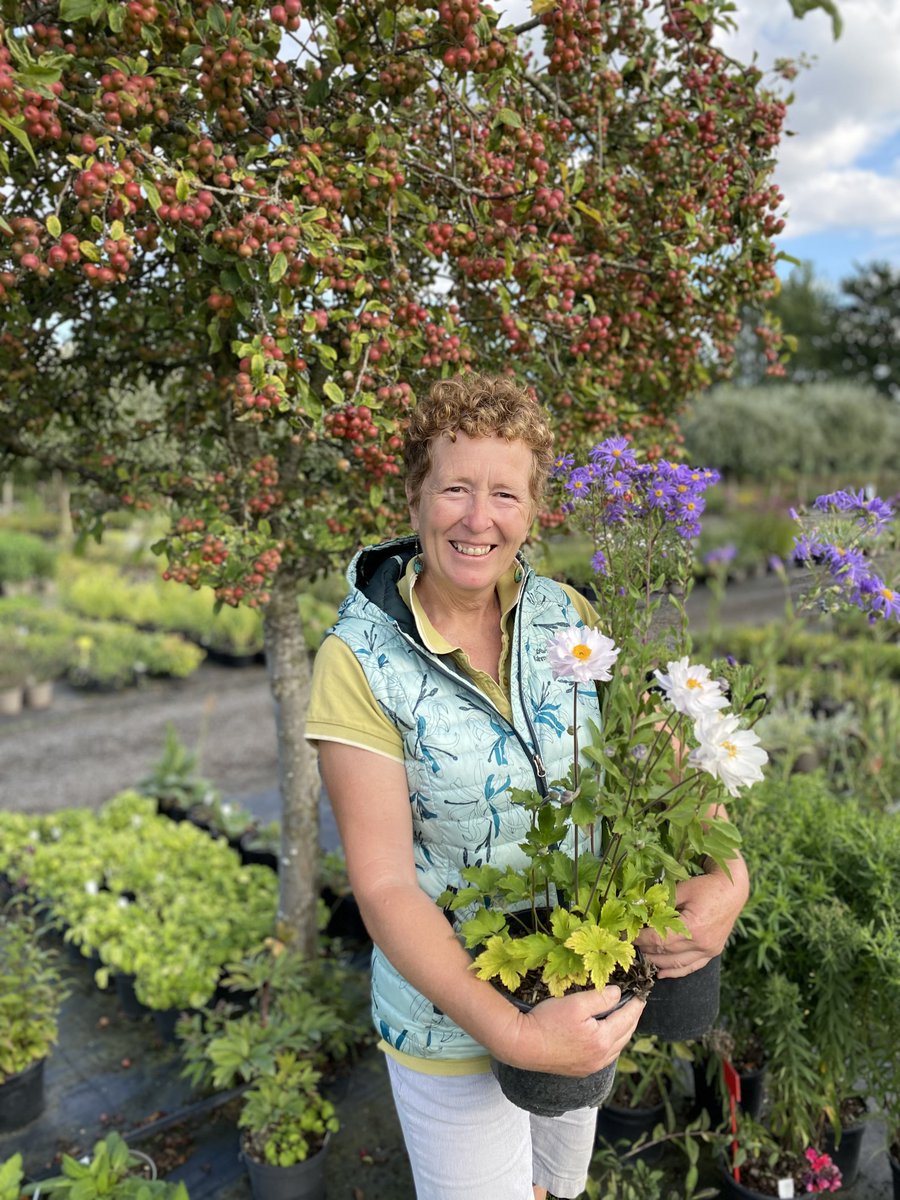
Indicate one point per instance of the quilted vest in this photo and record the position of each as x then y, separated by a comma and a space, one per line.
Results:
461, 755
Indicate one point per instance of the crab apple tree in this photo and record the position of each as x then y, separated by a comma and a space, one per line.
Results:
237, 240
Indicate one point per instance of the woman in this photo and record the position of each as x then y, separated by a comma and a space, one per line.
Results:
431, 699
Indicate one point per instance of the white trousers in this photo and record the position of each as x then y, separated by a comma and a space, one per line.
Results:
466, 1141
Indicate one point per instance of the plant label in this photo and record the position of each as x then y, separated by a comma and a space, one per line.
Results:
785, 1189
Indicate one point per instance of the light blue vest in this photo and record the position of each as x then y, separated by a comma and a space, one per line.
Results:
461, 756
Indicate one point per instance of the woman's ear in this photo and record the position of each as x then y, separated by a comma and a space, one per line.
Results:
413, 510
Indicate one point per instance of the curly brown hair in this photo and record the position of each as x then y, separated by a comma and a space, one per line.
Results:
478, 406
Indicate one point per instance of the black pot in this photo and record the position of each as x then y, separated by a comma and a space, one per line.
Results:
680, 1010
622, 1127
165, 1021
710, 1097
22, 1097
256, 855
302, 1181
132, 1008
549, 1095
730, 1189
895, 1174
846, 1156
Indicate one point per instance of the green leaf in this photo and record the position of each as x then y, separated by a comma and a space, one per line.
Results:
19, 134
54, 228
508, 116
150, 191
334, 393
115, 14
278, 267
75, 10
90, 251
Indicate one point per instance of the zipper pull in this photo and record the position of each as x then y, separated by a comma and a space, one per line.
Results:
539, 767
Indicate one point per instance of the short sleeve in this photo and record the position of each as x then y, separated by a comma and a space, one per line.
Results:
342, 707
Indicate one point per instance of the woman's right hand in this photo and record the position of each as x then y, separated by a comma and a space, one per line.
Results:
563, 1034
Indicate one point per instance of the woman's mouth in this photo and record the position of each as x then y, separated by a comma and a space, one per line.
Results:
471, 551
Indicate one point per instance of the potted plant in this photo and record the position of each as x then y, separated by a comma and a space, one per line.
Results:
31, 994
300, 1017
48, 658
112, 1171
286, 1125
13, 674
637, 811
173, 780
648, 1081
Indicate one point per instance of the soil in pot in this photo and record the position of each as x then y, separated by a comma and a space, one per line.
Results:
760, 1179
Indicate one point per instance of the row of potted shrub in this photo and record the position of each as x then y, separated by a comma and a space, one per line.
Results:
43, 644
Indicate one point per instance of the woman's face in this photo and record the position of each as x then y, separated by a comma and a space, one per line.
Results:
473, 512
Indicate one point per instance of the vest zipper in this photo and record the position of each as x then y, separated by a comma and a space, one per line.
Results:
533, 756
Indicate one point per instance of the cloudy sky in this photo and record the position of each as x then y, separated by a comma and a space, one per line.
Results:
840, 172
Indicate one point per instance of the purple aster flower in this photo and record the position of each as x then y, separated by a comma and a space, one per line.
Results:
882, 599
721, 555
875, 514
614, 452
831, 502
561, 464
599, 564
847, 565
579, 482
775, 563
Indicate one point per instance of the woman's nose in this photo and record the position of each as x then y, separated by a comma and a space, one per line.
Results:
478, 512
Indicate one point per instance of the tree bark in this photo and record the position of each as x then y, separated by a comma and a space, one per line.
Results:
298, 775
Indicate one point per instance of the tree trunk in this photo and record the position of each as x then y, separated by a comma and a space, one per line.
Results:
298, 776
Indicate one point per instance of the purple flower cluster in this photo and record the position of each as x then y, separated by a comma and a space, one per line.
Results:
873, 514
837, 549
630, 491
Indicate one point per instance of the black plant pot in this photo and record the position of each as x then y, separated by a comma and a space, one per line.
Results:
22, 1097
680, 1010
709, 1097
730, 1189
846, 1156
622, 1127
895, 1174
302, 1181
165, 1021
549, 1095
131, 1007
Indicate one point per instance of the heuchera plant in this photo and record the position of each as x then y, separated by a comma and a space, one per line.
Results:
638, 810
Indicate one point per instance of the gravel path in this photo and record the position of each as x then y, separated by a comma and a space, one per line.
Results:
89, 746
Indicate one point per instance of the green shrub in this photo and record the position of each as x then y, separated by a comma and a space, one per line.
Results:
843, 431
24, 557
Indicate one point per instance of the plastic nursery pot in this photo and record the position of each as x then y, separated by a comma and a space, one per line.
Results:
847, 1155
621, 1127
709, 1097
301, 1181
680, 1010
22, 1097
549, 1095
131, 1007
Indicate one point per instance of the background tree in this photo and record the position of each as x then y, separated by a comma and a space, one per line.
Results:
287, 219
867, 335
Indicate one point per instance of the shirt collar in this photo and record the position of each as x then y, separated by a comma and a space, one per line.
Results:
508, 589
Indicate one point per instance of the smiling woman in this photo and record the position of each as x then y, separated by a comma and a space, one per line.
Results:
433, 699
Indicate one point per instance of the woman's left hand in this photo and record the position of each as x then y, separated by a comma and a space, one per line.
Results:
709, 905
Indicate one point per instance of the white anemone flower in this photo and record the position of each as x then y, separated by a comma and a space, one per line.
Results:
727, 752
690, 690
581, 654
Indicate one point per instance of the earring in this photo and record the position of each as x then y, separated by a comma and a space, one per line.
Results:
418, 565
518, 575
